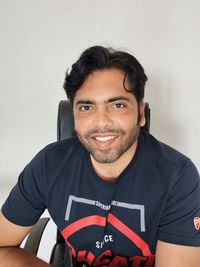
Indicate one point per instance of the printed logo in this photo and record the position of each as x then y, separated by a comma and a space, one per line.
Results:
100, 256
197, 223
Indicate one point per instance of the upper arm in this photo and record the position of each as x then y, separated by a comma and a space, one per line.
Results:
11, 234
171, 255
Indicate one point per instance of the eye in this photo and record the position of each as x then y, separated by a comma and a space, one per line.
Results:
119, 105
85, 108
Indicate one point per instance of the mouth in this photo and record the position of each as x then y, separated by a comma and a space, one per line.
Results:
104, 140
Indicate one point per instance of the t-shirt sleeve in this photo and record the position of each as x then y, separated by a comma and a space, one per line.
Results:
26, 201
180, 223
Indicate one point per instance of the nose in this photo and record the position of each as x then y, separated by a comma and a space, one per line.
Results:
103, 118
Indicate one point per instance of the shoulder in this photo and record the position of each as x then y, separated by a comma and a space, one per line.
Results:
64, 146
157, 150
165, 159
56, 153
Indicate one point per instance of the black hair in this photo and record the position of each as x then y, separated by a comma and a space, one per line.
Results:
101, 58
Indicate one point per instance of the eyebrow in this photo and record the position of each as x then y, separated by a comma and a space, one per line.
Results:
81, 102
110, 100
117, 98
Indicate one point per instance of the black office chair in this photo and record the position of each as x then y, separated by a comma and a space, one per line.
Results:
65, 129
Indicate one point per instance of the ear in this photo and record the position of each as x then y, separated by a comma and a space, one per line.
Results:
142, 119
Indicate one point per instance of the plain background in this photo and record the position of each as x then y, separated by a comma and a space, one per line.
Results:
39, 40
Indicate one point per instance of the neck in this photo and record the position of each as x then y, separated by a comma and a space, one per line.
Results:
110, 171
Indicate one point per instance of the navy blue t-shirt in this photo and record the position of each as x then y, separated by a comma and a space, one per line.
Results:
157, 197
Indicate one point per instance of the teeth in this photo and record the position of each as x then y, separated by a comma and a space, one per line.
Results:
104, 138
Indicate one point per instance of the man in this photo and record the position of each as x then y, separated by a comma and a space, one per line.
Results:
118, 196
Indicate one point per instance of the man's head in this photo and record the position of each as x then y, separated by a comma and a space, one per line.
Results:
106, 88
101, 58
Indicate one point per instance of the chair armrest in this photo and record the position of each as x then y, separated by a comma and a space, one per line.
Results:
33, 241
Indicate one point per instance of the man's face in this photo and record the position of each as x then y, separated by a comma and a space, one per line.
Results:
106, 116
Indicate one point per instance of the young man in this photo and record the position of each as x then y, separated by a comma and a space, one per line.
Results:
118, 196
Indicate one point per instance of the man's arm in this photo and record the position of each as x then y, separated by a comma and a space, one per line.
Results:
11, 236
171, 255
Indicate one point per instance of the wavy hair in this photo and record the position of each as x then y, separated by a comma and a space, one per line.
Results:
101, 58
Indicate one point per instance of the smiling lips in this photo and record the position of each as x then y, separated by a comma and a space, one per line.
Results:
104, 140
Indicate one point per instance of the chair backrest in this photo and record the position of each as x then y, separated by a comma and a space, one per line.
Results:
65, 122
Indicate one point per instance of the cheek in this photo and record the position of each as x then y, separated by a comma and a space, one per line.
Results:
126, 122
81, 125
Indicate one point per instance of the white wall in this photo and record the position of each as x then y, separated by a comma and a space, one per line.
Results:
40, 39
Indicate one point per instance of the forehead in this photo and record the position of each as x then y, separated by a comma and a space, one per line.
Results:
102, 85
